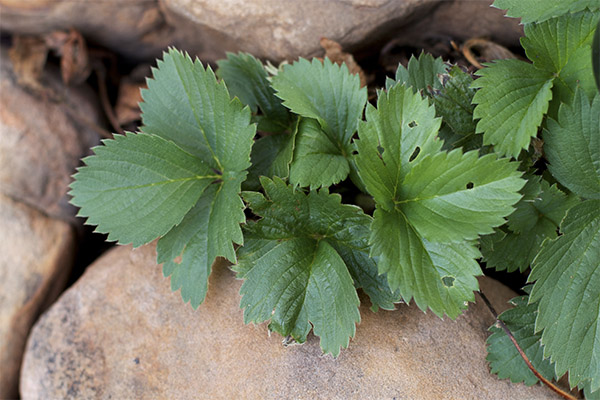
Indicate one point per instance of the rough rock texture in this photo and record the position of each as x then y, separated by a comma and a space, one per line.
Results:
35, 260
137, 29
41, 142
120, 332
286, 29
40, 146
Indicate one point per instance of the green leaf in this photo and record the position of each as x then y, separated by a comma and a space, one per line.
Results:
430, 205
271, 156
247, 79
317, 161
195, 136
205, 233
504, 359
332, 96
567, 287
422, 74
184, 103
572, 146
537, 217
512, 99
541, 10
136, 187
453, 103
562, 46
299, 262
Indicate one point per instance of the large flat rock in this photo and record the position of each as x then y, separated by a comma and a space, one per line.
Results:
120, 332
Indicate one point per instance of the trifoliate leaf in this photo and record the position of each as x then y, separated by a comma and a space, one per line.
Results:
587, 392
431, 205
247, 79
541, 10
537, 217
136, 187
504, 359
184, 103
572, 146
271, 156
331, 95
512, 99
420, 74
453, 102
298, 263
188, 110
317, 161
567, 287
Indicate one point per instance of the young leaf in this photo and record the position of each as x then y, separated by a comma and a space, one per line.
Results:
512, 99
538, 11
503, 356
247, 79
185, 104
331, 95
420, 74
430, 204
299, 261
453, 102
567, 287
136, 187
537, 217
572, 146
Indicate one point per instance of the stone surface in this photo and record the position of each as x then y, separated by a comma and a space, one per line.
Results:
137, 29
35, 261
120, 332
41, 139
40, 146
286, 29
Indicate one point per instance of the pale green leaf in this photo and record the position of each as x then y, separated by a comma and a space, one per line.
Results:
504, 359
317, 161
541, 10
512, 99
572, 146
299, 261
440, 276
567, 287
398, 134
185, 104
430, 205
247, 79
136, 187
421, 74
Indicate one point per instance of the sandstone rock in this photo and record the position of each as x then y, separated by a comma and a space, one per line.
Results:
120, 332
286, 29
35, 261
137, 29
40, 146
41, 140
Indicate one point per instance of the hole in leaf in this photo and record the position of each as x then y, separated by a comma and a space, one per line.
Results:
414, 154
448, 281
412, 124
470, 185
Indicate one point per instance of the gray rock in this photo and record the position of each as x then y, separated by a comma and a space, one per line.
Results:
120, 332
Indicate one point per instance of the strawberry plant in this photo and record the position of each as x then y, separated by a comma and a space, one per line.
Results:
249, 163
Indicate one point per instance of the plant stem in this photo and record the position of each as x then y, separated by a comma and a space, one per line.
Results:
551, 385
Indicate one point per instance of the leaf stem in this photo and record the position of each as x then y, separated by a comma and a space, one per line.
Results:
522, 353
